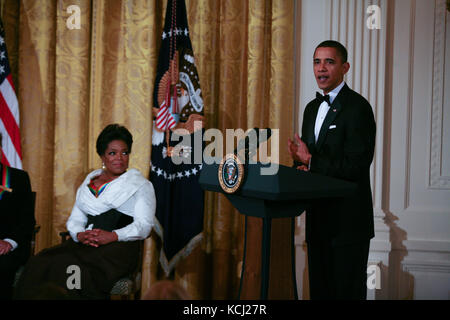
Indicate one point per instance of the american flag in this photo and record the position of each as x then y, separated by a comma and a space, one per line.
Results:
9, 111
178, 98
165, 119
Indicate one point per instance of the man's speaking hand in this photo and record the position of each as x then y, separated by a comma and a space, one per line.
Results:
299, 151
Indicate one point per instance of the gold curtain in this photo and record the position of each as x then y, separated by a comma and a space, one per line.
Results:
72, 82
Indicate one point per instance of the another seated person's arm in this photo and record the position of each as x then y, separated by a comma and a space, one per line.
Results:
22, 231
5, 247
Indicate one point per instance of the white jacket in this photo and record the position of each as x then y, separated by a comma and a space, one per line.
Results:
131, 194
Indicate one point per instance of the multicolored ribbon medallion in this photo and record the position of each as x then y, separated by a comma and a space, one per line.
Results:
6, 181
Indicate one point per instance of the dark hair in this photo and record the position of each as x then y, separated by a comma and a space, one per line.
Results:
113, 132
334, 44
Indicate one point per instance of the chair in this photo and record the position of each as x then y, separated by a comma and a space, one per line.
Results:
126, 288
37, 228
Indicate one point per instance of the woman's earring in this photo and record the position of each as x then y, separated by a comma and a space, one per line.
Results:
103, 166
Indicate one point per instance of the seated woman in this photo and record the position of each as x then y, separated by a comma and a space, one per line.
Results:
114, 210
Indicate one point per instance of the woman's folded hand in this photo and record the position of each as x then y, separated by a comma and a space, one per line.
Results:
96, 237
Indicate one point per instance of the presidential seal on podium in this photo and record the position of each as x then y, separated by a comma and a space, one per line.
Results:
231, 173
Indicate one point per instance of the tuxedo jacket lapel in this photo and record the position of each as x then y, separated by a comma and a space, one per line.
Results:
310, 137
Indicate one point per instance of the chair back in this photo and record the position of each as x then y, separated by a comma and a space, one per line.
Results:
36, 226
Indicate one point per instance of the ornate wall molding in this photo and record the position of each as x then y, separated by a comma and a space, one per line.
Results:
367, 56
436, 178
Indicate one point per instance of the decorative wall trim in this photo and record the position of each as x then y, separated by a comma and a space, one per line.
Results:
367, 57
429, 246
409, 104
436, 179
426, 266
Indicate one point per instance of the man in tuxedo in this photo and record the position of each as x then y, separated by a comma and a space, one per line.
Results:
16, 224
338, 140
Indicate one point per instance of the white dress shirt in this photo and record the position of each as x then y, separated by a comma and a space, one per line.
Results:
323, 109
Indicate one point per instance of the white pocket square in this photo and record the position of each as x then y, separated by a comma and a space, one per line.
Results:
332, 126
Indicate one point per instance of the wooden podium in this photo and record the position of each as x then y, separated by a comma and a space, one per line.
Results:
265, 197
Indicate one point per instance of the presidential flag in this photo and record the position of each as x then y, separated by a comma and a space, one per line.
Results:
176, 140
9, 111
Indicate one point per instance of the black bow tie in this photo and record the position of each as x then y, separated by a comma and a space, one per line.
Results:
322, 98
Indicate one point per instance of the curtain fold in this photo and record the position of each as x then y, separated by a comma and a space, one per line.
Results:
71, 139
72, 83
253, 69
36, 94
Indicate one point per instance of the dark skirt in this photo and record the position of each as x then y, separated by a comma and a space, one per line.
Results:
75, 271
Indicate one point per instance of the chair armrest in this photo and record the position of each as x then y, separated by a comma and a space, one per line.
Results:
65, 235
33, 239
